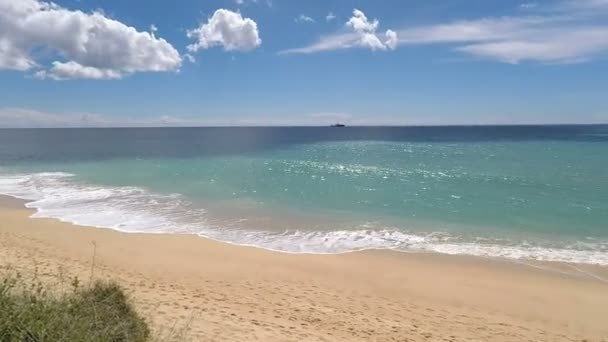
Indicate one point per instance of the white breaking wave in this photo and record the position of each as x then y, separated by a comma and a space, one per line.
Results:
136, 210
127, 209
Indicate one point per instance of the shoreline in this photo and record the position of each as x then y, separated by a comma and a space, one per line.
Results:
230, 292
280, 236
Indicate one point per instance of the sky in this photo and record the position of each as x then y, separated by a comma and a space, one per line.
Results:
80, 63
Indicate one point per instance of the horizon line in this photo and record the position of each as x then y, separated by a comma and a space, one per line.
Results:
317, 126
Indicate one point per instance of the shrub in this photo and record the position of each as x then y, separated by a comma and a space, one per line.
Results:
97, 313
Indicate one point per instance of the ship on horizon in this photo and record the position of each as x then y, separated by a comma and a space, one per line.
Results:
338, 125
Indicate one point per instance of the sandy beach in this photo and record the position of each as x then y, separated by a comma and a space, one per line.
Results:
214, 291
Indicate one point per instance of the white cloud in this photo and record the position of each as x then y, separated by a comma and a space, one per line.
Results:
327, 43
360, 23
528, 5
330, 16
487, 29
228, 29
302, 18
391, 39
248, 2
20, 118
366, 31
73, 70
514, 40
190, 58
566, 47
582, 5
361, 34
567, 32
28, 118
85, 44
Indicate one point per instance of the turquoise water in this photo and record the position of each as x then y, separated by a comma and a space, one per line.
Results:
518, 197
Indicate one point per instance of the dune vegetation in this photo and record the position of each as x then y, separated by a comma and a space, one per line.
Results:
98, 312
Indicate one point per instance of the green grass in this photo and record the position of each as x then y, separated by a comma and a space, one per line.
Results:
100, 312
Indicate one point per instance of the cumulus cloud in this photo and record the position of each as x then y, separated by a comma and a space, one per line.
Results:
73, 70
366, 30
360, 23
330, 16
391, 39
86, 45
227, 29
302, 18
361, 33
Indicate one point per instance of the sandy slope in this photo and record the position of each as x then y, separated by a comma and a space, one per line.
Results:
229, 293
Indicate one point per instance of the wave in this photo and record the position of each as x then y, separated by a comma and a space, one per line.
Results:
136, 210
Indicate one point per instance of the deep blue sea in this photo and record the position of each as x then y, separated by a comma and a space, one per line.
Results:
523, 192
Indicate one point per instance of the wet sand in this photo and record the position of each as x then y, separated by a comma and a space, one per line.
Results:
218, 292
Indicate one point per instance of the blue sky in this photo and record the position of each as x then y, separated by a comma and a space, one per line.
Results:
281, 62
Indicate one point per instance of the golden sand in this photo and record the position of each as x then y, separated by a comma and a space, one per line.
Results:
222, 292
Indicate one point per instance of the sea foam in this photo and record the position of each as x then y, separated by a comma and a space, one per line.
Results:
136, 210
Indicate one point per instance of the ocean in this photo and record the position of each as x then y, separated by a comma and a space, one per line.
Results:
519, 192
